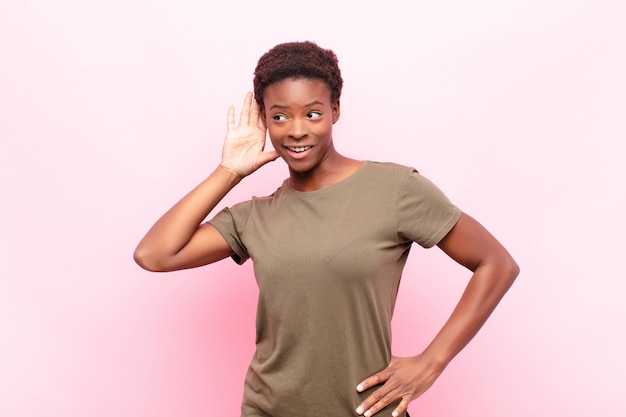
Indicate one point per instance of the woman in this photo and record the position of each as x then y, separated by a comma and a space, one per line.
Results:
328, 249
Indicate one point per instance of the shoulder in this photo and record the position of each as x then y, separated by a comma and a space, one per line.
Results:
392, 175
256, 203
388, 167
389, 171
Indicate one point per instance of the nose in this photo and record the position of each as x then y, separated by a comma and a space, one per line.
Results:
298, 129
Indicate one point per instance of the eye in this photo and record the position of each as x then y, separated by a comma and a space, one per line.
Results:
279, 117
314, 114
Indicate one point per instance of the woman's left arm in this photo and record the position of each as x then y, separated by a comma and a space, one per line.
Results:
494, 270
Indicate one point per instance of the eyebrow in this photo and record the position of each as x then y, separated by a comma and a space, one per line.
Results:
278, 106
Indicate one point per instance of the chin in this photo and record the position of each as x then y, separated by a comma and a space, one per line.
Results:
301, 167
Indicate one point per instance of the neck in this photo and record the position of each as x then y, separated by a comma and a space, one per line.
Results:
334, 169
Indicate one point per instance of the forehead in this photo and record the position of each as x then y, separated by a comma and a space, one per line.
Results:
296, 91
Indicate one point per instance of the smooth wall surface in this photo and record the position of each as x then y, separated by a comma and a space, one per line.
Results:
111, 111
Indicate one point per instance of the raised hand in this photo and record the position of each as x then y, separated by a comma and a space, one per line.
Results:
244, 145
404, 379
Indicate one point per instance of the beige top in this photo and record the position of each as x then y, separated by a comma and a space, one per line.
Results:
328, 265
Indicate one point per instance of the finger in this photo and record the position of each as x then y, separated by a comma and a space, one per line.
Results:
377, 401
254, 113
268, 156
374, 401
402, 407
375, 379
261, 121
244, 120
230, 120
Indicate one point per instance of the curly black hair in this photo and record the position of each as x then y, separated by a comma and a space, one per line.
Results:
297, 60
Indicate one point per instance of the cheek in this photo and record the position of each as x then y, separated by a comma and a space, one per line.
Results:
323, 130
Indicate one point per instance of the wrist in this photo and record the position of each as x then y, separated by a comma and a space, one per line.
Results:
436, 360
228, 171
231, 175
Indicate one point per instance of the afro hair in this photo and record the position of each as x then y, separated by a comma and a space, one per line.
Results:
297, 60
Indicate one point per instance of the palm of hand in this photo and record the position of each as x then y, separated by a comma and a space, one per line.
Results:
244, 145
242, 149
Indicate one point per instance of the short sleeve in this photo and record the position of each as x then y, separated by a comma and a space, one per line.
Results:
230, 222
425, 215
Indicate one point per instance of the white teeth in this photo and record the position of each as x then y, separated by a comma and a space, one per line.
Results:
299, 149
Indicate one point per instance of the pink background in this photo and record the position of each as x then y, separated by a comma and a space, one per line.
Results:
111, 110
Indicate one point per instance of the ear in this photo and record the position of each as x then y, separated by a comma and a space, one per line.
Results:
336, 111
262, 118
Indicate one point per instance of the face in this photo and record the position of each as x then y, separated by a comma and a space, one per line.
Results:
299, 116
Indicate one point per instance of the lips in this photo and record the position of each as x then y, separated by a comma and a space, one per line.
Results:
298, 149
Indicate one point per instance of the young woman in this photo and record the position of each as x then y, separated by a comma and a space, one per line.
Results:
328, 247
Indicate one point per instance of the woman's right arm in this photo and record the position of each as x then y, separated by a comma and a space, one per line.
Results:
178, 240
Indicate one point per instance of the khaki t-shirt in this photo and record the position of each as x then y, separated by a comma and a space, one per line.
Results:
328, 265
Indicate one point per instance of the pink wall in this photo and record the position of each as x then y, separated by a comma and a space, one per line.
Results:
110, 111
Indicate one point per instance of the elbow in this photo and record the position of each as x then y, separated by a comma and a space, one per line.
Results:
515, 270
500, 276
503, 270
510, 270
146, 260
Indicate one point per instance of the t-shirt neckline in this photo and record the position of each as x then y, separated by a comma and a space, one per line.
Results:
332, 187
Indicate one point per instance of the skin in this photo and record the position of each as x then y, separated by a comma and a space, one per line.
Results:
299, 115
494, 270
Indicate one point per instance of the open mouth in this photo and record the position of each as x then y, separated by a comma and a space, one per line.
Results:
298, 149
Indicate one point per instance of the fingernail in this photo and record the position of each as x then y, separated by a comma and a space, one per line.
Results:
359, 387
368, 413
359, 410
